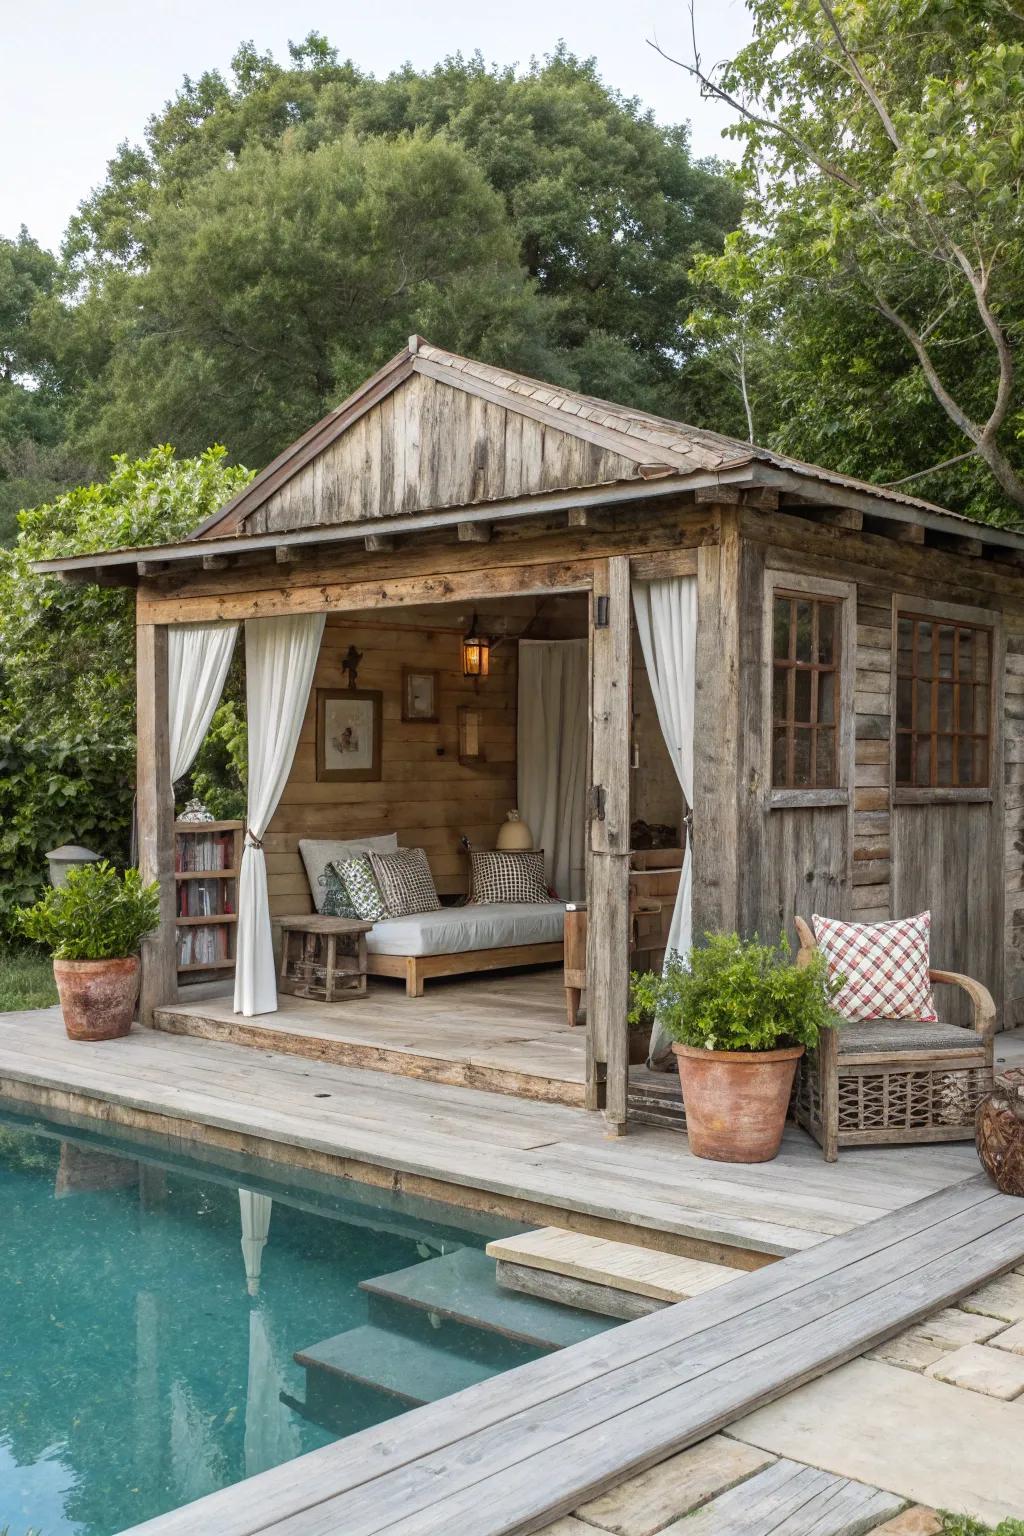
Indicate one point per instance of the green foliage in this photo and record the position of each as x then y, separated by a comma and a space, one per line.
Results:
963, 1525
26, 979
98, 914
220, 772
736, 994
282, 231
67, 663
885, 229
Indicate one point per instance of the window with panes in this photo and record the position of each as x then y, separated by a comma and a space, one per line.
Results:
805, 691
943, 703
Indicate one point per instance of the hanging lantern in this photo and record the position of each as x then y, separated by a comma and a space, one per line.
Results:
476, 652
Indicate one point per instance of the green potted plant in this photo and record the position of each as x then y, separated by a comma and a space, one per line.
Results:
95, 925
741, 1015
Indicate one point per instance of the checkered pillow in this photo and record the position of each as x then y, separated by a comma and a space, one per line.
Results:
405, 881
511, 876
884, 965
361, 883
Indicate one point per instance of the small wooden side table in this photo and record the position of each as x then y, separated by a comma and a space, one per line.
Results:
323, 957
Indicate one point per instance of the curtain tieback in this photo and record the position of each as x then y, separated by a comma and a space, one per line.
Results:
252, 840
688, 825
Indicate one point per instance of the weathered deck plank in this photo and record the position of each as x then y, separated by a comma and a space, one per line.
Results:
515, 1452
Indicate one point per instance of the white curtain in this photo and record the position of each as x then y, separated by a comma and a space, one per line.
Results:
255, 1210
666, 619
554, 686
198, 657
280, 659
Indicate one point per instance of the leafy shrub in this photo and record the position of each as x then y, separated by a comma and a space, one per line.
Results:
736, 994
963, 1525
220, 772
98, 915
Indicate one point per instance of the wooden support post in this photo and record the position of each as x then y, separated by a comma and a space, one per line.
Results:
608, 896
716, 732
155, 811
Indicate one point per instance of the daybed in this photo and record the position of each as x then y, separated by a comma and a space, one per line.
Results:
454, 941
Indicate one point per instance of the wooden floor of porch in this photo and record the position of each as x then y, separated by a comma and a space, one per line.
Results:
505, 1033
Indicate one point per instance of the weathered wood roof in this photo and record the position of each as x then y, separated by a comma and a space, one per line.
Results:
624, 443
436, 441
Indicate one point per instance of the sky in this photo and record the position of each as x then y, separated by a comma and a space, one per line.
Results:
80, 76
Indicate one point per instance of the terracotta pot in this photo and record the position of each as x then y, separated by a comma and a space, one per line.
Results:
736, 1101
639, 1046
97, 997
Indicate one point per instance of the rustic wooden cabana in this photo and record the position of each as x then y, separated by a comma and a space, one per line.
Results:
857, 665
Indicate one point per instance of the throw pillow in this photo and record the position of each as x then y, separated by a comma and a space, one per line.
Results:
885, 966
508, 876
335, 900
405, 881
361, 884
318, 852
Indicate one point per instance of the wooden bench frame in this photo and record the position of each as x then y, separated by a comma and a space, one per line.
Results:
415, 970
825, 1073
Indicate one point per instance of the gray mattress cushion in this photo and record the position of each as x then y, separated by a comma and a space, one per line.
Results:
904, 1035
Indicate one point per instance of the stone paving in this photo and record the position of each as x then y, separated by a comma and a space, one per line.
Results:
906, 1418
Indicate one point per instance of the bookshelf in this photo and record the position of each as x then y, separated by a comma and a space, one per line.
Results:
207, 855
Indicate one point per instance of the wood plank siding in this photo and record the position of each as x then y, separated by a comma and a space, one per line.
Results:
428, 445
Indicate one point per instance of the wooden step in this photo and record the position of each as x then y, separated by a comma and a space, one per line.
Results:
417, 1372
655, 1098
554, 1255
462, 1286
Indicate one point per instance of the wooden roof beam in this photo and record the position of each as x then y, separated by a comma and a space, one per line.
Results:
379, 543
475, 533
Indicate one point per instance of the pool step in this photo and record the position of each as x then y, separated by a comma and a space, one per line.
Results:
462, 1287
415, 1372
620, 1280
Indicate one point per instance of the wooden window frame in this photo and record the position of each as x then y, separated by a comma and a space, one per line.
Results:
906, 605
844, 594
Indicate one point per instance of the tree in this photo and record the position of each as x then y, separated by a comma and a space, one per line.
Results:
883, 162
33, 463
280, 282
282, 231
67, 673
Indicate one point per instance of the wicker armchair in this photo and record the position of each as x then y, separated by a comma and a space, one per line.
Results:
883, 1081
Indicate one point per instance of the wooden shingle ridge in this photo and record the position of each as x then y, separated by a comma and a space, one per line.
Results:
635, 434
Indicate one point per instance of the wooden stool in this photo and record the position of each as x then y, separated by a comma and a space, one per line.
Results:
323, 957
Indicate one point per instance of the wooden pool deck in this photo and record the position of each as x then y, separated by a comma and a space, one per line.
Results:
547, 1164
868, 1246
508, 1455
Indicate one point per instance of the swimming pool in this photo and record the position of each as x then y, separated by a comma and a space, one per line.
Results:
154, 1296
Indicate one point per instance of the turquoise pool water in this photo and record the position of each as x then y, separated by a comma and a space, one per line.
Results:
147, 1329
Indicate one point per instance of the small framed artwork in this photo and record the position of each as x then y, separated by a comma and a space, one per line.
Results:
420, 689
348, 731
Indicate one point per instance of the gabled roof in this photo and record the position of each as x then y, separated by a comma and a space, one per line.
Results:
643, 438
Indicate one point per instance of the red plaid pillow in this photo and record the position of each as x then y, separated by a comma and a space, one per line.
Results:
885, 966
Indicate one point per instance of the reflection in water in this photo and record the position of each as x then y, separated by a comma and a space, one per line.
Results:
141, 1364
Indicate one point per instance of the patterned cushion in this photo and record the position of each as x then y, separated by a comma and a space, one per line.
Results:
318, 852
508, 876
361, 884
885, 966
405, 881
335, 900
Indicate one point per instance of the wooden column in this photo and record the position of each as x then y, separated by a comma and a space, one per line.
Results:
716, 756
608, 894
155, 812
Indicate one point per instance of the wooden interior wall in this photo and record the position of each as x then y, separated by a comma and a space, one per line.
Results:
424, 794
429, 444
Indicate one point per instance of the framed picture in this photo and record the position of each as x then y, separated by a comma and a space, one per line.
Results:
420, 691
348, 730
